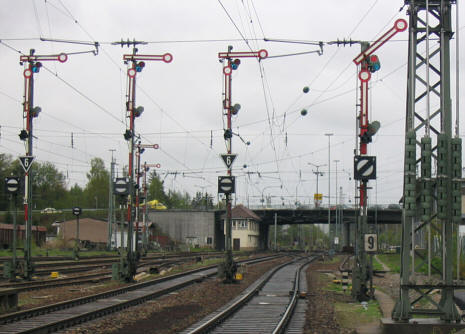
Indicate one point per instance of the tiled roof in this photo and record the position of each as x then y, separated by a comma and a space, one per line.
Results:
241, 211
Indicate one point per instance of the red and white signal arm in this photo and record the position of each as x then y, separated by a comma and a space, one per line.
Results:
62, 57
27, 73
262, 54
132, 72
364, 76
167, 57
227, 70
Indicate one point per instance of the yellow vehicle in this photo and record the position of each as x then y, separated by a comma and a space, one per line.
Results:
155, 204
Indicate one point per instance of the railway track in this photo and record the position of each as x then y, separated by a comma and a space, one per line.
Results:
267, 306
103, 275
58, 316
66, 265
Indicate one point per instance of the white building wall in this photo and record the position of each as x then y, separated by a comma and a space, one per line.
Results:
247, 231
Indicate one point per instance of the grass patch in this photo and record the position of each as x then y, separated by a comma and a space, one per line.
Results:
391, 260
352, 315
333, 259
377, 265
330, 286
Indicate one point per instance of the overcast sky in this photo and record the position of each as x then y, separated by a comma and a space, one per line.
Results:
85, 96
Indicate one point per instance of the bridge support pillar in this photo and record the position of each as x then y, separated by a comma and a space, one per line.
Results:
346, 234
263, 241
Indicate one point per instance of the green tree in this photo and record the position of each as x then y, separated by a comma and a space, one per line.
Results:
48, 186
96, 191
202, 201
75, 196
178, 200
155, 189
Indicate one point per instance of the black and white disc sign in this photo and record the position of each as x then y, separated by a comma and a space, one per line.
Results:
121, 186
226, 184
77, 211
364, 167
12, 185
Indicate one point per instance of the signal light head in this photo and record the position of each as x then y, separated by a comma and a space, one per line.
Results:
227, 134
373, 63
36, 67
235, 109
23, 135
372, 129
138, 111
235, 63
128, 134
36, 111
139, 66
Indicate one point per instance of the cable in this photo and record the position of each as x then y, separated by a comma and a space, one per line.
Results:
37, 17
258, 18
234, 23
83, 95
10, 47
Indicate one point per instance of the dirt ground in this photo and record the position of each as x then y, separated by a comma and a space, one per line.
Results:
176, 311
321, 317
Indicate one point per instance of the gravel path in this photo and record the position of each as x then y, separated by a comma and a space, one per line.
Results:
321, 317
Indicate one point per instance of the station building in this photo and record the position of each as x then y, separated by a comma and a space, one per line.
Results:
245, 231
92, 232
206, 228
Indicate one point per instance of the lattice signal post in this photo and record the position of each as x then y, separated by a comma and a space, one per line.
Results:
32, 64
432, 199
144, 190
136, 63
365, 169
231, 61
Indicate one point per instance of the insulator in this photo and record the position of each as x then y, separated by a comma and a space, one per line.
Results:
410, 152
456, 144
410, 174
426, 189
443, 176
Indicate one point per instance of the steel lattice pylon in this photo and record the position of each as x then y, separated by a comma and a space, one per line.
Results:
432, 167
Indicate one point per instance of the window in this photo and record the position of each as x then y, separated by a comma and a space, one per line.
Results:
243, 225
209, 240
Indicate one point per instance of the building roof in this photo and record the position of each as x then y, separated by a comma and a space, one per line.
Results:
240, 211
22, 227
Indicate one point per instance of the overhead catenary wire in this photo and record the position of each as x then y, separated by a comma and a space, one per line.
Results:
291, 121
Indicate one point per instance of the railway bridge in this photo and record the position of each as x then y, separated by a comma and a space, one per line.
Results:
347, 218
182, 225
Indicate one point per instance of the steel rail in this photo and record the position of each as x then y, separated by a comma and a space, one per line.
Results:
213, 322
282, 324
21, 315
90, 278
